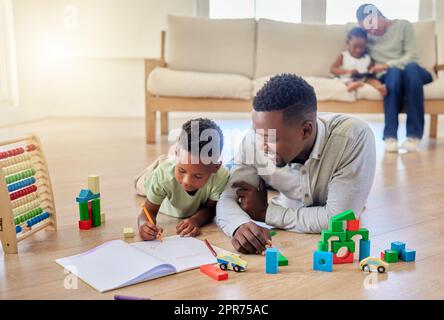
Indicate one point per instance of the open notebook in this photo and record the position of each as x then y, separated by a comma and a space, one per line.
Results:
116, 263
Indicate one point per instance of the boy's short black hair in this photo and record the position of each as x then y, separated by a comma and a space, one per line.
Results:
287, 92
365, 10
357, 32
200, 133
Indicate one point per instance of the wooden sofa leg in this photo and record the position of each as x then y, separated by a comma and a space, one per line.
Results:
164, 123
150, 123
433, 126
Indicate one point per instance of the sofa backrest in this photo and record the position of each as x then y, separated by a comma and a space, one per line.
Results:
211, 45
426, 43
304, 49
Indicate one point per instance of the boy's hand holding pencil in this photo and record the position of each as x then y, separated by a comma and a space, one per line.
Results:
149, 230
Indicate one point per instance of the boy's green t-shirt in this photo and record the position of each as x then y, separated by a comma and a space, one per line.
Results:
163, 189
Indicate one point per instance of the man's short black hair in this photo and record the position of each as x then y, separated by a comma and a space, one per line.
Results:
287, 92
200, 132
357, 32
365, 10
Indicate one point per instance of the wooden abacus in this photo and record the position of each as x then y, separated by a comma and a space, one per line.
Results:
26, 197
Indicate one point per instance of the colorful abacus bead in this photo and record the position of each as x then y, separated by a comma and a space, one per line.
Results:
18, 229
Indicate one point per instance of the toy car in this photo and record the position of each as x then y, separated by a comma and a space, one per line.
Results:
231, 261
373, 263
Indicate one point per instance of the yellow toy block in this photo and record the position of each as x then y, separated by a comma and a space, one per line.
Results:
128, 232
94, 184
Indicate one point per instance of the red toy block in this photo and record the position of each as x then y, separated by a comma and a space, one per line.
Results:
341, 260
85, 225
353, 225
214, 272
382, 256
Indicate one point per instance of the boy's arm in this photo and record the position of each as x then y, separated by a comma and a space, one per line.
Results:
152, 208
205, 214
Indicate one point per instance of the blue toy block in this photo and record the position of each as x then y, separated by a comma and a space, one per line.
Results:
86, 195
398, 246
323, 261
408, 255
364, 249
271, 260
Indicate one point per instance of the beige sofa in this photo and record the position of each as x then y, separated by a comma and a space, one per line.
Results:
219, 65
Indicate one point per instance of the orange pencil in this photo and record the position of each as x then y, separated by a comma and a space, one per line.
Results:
150, 219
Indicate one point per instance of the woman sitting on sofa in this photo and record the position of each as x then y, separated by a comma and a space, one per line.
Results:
393, 47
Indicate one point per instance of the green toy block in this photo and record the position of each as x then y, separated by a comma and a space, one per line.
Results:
282, 261
391, 256
322, 246
344, 216
336, 226
327, 234
336, 245
273, 233
96, 212
363, 232
84, 213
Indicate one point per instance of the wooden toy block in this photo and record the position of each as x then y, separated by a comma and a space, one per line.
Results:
86, 195
273, 233
282, 261
26, 196
128, 232
362, 232
344, 216
83, 210
408, 255
397, 246
95, 209
323, 261
336, 226
341, 260
391, 256
364, 249
94, 184
214, 272
336, 245
382, 255
271, 261
327, 234
85, 225
322, 246
353, 225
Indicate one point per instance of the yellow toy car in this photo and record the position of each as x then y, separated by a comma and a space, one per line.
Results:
372, 263
231, 261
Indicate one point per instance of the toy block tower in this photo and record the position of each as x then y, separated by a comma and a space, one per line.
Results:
336, 229
89, 204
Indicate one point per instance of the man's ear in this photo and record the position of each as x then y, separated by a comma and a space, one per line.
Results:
307, 129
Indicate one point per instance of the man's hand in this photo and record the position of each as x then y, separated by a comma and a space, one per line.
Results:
250, 238
187, 228
377, 68
252, 200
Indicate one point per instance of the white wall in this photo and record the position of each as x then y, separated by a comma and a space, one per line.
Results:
439, 15
84, 57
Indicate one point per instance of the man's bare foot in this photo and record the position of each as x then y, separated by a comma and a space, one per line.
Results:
352, 86
382, 89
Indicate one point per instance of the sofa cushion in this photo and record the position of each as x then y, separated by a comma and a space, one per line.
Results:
367, 92
435, 90
173, 83
304, 49
211, 45
325, 88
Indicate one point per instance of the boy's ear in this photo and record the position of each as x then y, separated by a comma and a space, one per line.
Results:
215, 167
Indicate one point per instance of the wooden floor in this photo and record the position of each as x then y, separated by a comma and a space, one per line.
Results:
406, 204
